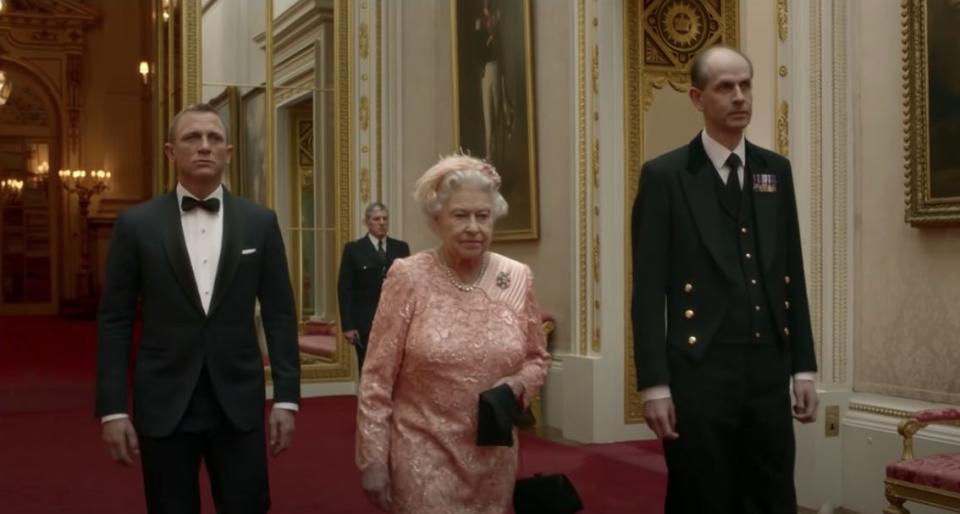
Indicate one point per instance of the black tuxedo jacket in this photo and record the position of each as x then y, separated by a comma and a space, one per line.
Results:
683, 261
148, 260
361, 277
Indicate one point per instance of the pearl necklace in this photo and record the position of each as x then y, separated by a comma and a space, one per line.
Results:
456, 282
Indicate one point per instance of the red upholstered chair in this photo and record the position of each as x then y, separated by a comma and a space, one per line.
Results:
933, 480
318, 339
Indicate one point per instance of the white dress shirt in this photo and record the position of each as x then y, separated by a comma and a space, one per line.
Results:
376, 241
718, 155
203, 234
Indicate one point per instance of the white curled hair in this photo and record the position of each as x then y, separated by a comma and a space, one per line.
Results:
451, 173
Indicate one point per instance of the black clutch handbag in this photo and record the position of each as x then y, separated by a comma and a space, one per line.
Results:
546, 494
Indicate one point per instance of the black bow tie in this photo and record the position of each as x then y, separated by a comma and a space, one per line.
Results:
189, 203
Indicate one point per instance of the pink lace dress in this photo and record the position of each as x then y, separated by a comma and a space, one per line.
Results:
433, 349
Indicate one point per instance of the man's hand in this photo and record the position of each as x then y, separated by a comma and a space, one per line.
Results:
282, 424
661, 418
375, 482
121, 440
806, 401
351, 336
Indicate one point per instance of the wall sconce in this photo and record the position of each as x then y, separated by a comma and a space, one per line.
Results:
6, 87
10, 188
145, 71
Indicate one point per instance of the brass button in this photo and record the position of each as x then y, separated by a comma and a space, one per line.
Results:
688, 288
757, 334
692, 340
688, 313
786, 305
748, 255
756, 308
786, 279
753, 281
743, 230
786, 331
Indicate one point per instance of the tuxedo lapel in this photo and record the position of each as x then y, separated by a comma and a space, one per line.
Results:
229, 250
764, 209
176, 249
699, 184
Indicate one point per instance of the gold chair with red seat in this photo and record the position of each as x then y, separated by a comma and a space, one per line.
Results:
932, 480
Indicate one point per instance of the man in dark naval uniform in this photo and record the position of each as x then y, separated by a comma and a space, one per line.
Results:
720, 317
363, 267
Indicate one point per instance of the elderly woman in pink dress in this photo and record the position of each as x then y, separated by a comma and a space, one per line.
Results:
452, 322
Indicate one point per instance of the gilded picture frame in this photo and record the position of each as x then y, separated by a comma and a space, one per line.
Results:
931, 94
494, 104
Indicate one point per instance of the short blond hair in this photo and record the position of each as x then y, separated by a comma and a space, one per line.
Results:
452, 172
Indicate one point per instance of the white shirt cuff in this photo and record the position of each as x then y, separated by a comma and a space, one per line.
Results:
658, 392
113, 417
805, 375
287, 406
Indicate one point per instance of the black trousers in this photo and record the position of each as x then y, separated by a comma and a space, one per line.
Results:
361, 346
236, 462
736, 449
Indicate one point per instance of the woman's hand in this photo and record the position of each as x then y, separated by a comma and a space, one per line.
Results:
375, 482
515, 383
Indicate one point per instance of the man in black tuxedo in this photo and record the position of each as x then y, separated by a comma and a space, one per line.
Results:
363, 266
198, 258
720, 316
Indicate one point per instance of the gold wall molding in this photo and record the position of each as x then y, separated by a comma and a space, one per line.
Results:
191, 51
840, 207
880, 411
378, 134
582, 241
364, 41
364, 185
660, 39
595, 67
343, 157
364, 114
783, 128
815, 266
783, 19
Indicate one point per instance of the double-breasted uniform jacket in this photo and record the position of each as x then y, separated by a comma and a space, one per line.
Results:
148, 261
684, 265
361, 277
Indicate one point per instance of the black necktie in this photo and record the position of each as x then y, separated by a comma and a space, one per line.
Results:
731, 191
190, 203
381, 251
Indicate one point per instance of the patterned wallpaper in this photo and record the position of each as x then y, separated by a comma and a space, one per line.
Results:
907, 301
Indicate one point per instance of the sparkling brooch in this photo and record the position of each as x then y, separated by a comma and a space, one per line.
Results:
503, 280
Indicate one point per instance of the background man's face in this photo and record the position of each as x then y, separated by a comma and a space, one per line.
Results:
378, 223
727, 100
199, 149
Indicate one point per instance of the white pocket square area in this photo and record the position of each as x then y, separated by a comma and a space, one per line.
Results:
248, 251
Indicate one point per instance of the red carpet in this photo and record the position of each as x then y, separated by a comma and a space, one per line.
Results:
52, 460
